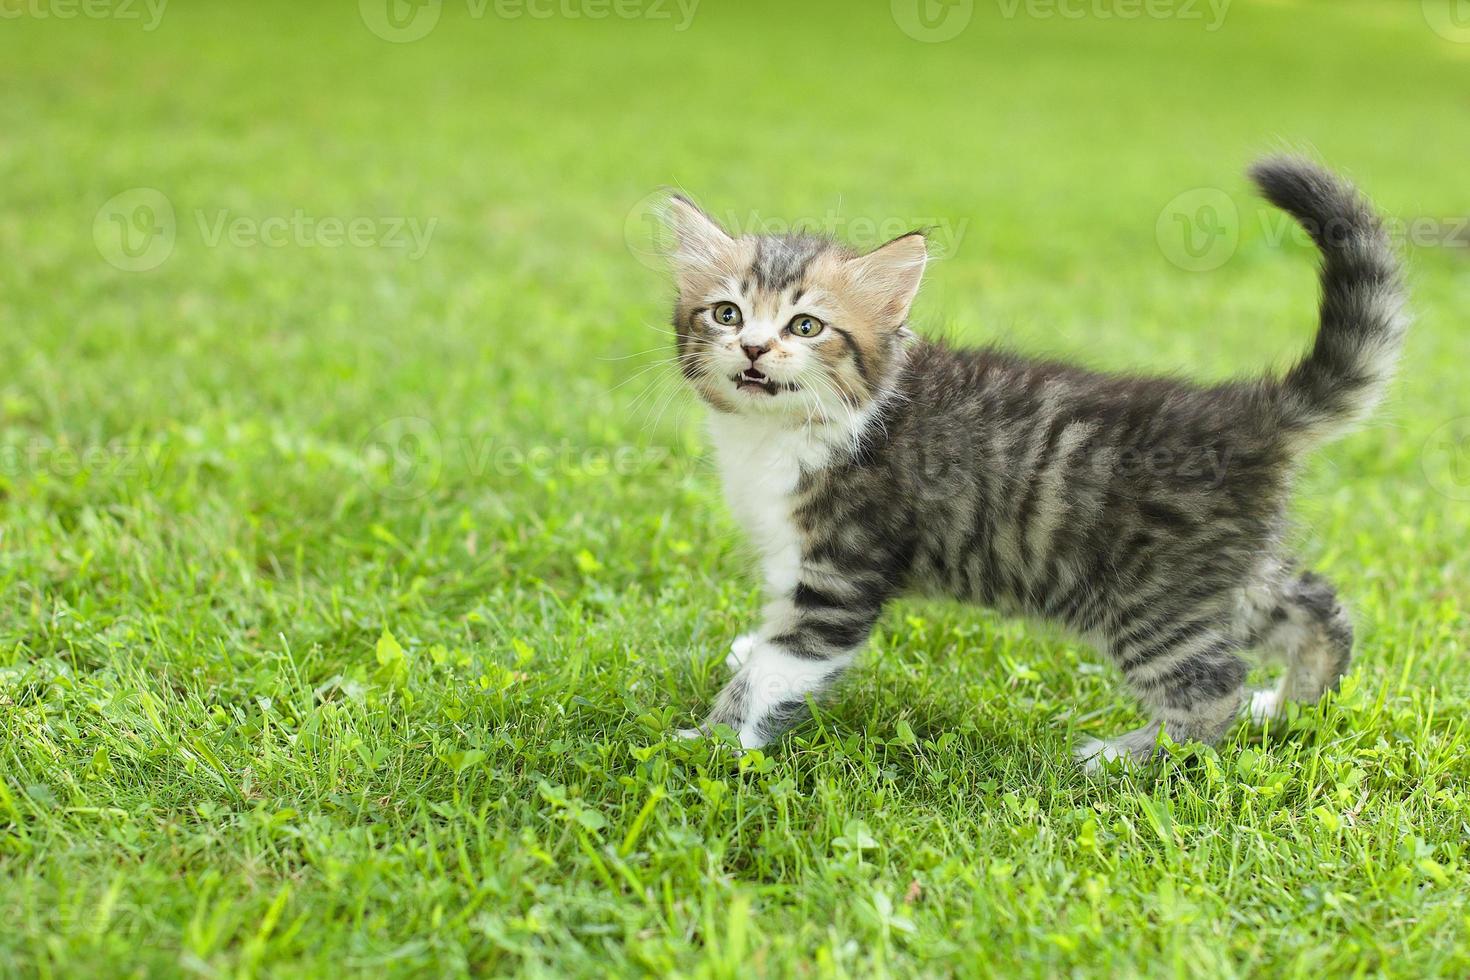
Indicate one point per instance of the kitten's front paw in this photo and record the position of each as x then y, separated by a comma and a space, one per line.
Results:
1265, 706
740, 651
1134, 749
1094, 753
694, 734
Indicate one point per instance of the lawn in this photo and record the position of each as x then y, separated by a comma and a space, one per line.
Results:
359, 550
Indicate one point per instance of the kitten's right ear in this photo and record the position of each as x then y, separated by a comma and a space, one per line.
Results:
699, 242
889, 276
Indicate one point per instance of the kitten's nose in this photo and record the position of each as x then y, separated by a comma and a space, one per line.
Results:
754, 352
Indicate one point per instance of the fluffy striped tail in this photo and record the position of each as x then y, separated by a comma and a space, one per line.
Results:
1362, 315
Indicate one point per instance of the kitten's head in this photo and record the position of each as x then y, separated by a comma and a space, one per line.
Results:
796, 328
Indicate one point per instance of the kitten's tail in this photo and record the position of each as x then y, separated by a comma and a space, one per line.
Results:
1362, 313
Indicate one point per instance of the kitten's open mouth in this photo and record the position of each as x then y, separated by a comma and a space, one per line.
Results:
755, 380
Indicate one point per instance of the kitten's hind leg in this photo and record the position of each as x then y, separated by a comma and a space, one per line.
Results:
1303, 624
1189, 673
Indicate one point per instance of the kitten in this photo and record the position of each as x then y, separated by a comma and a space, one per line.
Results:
1146, 514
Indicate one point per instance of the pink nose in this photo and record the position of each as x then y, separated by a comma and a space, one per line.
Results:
754, 353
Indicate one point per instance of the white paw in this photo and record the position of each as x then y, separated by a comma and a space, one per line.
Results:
1094, 753
691, 734
1135, 749
1265, 705
740, 651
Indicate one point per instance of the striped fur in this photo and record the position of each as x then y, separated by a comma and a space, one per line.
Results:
1144, 513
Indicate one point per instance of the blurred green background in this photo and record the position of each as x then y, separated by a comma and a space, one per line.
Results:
357, 547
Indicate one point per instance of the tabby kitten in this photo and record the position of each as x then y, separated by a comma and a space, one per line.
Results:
1146, 514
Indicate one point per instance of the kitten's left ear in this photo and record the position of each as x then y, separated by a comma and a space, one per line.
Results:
890, 275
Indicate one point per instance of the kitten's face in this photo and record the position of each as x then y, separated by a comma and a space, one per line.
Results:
795, 328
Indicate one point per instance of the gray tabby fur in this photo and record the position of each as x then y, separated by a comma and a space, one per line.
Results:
1144, 513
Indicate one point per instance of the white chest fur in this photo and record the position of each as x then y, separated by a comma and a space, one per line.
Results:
760, 466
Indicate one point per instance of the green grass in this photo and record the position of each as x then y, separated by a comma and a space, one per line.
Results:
292, 686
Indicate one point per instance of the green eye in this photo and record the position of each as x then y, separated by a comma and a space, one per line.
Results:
806, 326
728, 315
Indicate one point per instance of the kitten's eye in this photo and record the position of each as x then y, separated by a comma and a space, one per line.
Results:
728, 315
806, 326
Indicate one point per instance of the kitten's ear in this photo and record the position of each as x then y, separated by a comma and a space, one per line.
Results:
699, 242
889, 276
